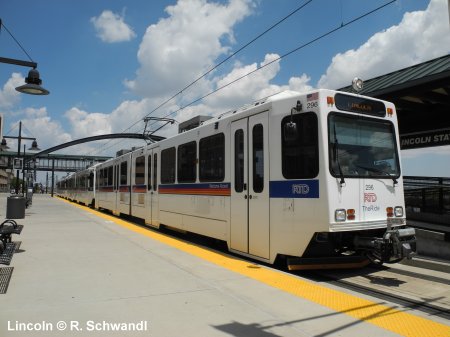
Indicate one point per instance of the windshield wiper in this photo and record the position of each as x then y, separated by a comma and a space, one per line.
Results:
377, 170
336, 156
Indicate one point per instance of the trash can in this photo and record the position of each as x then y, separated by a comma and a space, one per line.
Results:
15, 207
29, 198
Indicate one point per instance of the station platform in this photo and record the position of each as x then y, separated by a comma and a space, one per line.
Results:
80, 272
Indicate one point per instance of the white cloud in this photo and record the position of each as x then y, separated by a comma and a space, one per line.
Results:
196, 33
112, 28
420, 36
184, 45
9, 96
86, 124
36, 123
253, 86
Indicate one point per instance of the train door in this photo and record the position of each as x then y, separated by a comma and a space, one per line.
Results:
115, 196
154, 193
249, 232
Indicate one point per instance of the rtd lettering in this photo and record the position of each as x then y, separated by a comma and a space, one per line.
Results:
300, 189
370, 197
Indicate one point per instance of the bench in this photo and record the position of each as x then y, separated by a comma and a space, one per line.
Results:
7, 247
7, 252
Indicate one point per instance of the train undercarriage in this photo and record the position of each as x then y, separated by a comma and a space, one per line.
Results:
328, 250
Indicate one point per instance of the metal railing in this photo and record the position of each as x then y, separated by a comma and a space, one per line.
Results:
427, 199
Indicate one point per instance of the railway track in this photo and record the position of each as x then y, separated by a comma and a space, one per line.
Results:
412, 288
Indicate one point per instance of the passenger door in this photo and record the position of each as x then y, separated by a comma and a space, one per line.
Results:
250, 225
152, 214
115, 194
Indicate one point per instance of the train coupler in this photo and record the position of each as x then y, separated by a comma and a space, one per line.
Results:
395, 245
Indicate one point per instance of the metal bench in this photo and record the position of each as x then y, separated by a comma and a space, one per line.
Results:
7, 247
7, 228
6, 252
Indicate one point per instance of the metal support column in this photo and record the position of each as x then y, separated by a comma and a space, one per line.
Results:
53, 175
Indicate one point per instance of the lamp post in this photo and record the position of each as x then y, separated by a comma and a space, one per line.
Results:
19, 140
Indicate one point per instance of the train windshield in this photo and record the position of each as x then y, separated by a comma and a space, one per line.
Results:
362, 147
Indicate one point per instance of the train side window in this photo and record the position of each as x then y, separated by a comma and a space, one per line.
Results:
187, 168
91, 181
139, 171
258, 158
110, 176
300, 157
105, 177
239, 160
212, 158
168, 166
149, 172
116, 179
155, 172
123, 173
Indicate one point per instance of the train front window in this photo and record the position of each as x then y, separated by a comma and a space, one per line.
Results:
362, 147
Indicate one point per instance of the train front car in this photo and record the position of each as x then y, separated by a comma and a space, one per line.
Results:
364, 187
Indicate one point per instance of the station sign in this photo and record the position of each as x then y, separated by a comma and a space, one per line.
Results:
18, 163
425, 139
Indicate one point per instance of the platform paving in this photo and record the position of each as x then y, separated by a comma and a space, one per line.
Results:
78, 274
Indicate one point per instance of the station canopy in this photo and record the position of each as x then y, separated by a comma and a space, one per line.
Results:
421, 94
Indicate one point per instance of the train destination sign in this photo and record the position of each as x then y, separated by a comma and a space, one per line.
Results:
361, 105
425, 139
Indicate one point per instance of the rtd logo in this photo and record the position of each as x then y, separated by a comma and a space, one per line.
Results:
300, 189
370, 197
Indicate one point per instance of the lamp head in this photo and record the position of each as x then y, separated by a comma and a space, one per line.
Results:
34, 146
33, 84
3, 145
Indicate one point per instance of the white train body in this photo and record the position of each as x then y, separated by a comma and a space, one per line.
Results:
327, 185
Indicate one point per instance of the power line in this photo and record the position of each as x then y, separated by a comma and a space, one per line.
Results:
232, 55
223, 61
341, 26
283, 56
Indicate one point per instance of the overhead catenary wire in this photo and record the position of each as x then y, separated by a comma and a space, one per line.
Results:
223, 61
341, 26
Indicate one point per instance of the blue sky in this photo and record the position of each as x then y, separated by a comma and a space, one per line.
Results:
109, 63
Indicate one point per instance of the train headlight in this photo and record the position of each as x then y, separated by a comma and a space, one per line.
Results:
340, 215
398, 211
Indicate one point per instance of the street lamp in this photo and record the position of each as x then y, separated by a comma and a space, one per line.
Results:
34, 146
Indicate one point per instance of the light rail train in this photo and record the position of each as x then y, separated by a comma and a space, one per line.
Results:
313, 180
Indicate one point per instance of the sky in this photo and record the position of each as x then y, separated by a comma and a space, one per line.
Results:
110, 63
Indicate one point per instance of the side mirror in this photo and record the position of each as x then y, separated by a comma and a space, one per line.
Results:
290, 132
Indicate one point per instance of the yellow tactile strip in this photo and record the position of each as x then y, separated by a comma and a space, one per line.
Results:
380, 315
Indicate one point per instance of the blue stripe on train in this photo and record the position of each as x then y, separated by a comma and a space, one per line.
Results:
294, 189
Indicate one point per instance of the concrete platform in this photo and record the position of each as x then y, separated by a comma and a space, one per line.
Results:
81, 273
